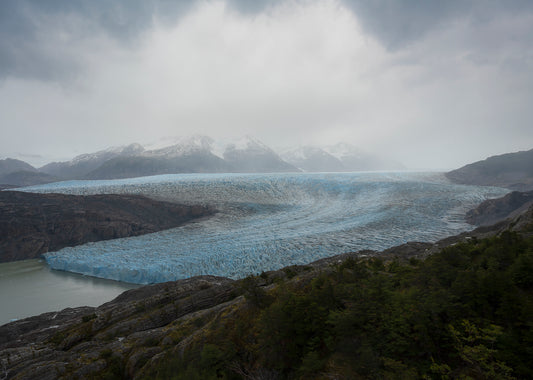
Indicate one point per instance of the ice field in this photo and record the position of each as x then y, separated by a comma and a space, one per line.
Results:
268, 221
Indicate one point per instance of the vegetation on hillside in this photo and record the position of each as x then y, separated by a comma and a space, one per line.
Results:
466, 312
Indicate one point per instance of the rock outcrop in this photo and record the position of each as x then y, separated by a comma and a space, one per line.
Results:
494, 210
80, 342
32, 224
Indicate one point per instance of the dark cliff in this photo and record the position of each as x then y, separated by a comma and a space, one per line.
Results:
32, 224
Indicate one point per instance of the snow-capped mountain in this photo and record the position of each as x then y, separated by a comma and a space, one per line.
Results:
341, 157
191, 154
312, 159
354, 159
202, 154
195, 154
104, 155
81, 165
183, 146
251, 155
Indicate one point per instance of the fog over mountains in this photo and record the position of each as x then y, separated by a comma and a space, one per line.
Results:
336, 158
194, 154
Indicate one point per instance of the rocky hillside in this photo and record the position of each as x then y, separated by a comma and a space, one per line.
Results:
32, 224
401, 313
10, 165
513, 171
26, 178
493, 210
81, 165
16, 173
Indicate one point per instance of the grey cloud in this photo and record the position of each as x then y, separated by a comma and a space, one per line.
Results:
247, 6
27, 41
29, 50
27, 46
304, 70
397, 23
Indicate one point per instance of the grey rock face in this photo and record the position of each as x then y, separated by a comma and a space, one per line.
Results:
494, 210
32, 224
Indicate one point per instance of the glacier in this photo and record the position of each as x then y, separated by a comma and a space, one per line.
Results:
268, 221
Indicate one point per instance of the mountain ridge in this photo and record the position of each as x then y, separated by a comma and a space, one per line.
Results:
195, 154
511, 170
10, 165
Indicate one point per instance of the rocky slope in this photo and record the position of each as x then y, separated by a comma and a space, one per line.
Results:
32, 224
138, 166
513, 171
81, 165
131, 336
26, 178
16, 173
10, 165
494, 210
83, 342
249, 155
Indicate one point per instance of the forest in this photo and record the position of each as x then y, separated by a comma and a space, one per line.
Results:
465, 312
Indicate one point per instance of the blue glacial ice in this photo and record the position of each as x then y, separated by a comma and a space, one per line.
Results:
268, 221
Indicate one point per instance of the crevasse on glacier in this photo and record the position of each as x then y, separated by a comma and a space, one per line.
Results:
267, 221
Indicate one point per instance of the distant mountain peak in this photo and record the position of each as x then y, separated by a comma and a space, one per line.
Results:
201, 154
248, 142
248, 154
312, 159
10, 165
131, 149
343, 149
184, 145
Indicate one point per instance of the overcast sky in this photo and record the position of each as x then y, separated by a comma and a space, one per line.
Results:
432, 84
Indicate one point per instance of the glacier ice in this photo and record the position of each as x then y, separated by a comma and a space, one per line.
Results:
268, 221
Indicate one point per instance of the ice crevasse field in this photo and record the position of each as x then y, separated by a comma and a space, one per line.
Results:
268, 221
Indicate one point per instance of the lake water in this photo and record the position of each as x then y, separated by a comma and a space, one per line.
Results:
30, 287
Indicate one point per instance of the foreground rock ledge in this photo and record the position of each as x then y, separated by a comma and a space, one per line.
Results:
33, 224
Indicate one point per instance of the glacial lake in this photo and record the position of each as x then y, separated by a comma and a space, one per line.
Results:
30, 287
265, 222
